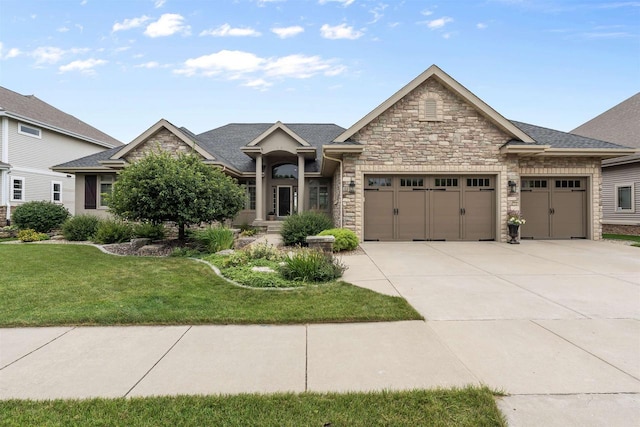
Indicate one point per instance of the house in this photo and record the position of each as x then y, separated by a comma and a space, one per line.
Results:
432, 162
621, 175
33, 137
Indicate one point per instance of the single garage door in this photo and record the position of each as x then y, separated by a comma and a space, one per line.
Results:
410, 208
555, 208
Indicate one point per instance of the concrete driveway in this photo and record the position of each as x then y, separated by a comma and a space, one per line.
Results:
555, 324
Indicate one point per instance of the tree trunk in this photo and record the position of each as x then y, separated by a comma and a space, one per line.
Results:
181, 231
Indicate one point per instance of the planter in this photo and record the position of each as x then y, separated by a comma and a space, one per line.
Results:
271, 217
514, 231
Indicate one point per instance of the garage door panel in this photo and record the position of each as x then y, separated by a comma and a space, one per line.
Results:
378, 208
568, 219
412, 215
535, 209
479, 211
445, 215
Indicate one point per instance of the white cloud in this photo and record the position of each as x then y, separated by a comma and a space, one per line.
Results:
159, 3
285, 32
427, 12
85, 66
128, 24
481, 25
150, 64
235, 61
297, 66
83, 2
262, 3
62, 29
377, 12
343, 3
439, 23
80, 27
13, 52
341, 31
167, 25
261, 84
47, 54
225, 30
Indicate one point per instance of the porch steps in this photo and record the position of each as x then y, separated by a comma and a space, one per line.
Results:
271, 227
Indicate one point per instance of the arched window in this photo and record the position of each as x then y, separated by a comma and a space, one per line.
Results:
285, 171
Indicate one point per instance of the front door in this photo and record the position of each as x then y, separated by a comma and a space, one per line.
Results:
284, 200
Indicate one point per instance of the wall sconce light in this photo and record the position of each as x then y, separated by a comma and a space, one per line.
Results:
352, 186
512, 187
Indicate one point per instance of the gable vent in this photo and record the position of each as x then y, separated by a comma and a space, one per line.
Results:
430, 109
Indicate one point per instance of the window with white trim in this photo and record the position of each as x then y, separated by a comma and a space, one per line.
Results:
624, 198
250, 195
29, 131
17, 189
105, 185
56, 191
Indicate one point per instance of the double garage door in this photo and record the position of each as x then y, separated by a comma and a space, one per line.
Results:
429, 208
555, 208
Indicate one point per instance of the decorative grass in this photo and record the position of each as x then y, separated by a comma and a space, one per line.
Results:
622, 237
57, 284
471, 406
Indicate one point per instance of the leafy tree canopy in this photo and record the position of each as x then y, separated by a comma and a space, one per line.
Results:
181, 189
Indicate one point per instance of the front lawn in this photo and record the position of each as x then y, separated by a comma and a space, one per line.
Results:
622, 237
57, 284
470, 406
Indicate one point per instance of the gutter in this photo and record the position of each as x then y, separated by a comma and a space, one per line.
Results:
4, 174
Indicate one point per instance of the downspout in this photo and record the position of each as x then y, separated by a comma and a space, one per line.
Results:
340, 198
5, 174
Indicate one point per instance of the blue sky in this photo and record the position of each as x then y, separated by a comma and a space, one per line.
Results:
123, 65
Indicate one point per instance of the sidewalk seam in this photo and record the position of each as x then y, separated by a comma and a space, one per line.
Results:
157, 361
34, 350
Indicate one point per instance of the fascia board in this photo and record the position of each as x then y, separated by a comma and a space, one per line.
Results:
278, 125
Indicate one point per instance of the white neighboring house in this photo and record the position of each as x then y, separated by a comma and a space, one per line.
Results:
33, 137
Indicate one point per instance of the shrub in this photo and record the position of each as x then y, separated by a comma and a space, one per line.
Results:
40, 216
297, 227
346, 240
214, 239
311, 266
31, 235
262, 251
81, 227
149, 230
113, 231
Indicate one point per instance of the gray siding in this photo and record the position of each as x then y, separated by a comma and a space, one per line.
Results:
37, 186
617, 175
80, 210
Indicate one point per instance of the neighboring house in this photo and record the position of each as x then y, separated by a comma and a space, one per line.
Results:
33, 137
621, 175
432, 162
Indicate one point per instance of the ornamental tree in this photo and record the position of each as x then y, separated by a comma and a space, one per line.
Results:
182, 189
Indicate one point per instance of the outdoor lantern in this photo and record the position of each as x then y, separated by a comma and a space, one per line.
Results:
512, 187
352, 186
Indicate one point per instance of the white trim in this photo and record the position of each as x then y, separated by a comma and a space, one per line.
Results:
26, 126
39, 171
617, 208
23, 188
53, 192
5, 140
111, 180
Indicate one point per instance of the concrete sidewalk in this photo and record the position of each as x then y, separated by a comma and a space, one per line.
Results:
556, 325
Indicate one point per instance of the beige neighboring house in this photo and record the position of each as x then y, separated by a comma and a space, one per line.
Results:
432, 162
621, 175
33, 137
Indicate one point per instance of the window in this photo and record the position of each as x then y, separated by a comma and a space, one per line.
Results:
534, 183
105, 186
29, 131
567, 183
624, 198
17, 189
446, 182
285, 171
250, 195
56, 191
411, 182
318, 195
378, 182
478, 182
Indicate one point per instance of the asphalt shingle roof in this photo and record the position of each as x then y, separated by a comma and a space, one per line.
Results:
558, 139
30, 107
90, 161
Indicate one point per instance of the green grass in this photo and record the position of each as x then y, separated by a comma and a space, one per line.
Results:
471, 406
44, 285
622, 237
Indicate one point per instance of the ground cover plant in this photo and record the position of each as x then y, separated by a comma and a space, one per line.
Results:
53, 284
470, 406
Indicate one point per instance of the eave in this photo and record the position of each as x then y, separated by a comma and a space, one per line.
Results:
525, 150
82, 169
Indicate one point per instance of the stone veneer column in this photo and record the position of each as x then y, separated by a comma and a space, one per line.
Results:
259, 192
300, 183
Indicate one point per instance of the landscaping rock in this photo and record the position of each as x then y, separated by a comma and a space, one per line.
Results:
241, 242
152, 250
225, 252
263, 269
138, 243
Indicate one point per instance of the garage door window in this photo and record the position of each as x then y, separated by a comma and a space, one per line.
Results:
446, 182
534, 183
624, 198
378, 182
478, 182
567, 183
411, 182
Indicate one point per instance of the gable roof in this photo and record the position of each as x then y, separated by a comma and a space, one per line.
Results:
435, 72
30, 109
278, 126
619, 124
90, 162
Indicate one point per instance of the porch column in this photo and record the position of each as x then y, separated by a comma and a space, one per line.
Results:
300, 183
259, 195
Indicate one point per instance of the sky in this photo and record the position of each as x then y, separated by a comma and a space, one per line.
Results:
123, 65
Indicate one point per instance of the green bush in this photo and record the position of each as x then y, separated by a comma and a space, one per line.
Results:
214, 239
297, 227
346, 240
149, 231
31, 235
113, 231
40, 216
81, 227
311, 266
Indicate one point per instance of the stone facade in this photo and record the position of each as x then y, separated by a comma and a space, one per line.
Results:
163, 140
630, 230
458, 140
